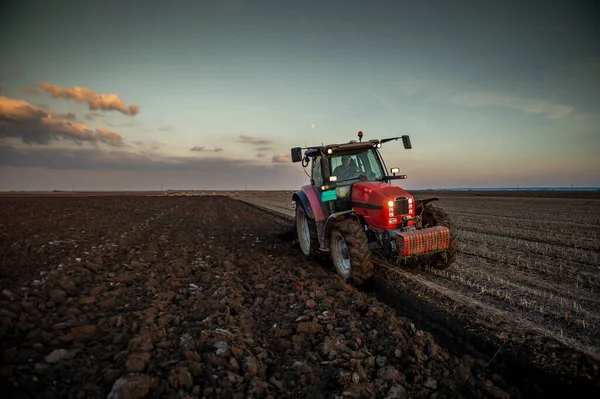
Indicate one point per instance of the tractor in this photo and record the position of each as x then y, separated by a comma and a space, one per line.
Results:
351, 210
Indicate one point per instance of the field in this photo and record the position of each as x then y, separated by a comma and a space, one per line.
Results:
188, 295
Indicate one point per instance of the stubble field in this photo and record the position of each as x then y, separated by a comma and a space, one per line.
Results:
207, 296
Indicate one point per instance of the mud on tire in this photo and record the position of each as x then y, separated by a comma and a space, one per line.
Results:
437, 216
361, 268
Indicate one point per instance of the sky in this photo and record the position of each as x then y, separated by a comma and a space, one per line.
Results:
213, 94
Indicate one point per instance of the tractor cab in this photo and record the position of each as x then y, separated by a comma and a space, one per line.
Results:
341, 170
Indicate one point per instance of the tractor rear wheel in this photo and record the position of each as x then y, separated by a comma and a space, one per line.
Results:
350, 251
306, 232
436, 216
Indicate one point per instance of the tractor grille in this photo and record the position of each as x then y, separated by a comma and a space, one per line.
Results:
401, 206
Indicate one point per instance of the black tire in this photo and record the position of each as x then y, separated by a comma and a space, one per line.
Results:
355, 238
437, 216
312, 247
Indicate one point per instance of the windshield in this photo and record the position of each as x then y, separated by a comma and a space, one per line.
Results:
363, 165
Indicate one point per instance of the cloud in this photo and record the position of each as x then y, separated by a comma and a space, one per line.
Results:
265, 149
19, 110
104, 168
281, 158
92, 115
110, 137
103, 102
208, 149
33, 125
150, 145
166, 129
254, 140
96, 158
30, 90
532, 106
261, 155
438, 93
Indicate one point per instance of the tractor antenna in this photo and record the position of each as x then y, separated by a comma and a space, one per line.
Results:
360, 135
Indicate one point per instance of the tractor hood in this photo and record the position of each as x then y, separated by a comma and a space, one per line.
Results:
376, 193
382, 205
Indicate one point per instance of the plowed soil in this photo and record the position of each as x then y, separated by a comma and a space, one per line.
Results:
522, 292
130, 297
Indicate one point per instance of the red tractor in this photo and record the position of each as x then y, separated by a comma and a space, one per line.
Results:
350, 208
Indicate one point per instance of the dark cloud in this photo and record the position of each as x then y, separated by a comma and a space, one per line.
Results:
32, 125
254, 140
94, 158
265, 149
281, 158
207, 149
103, 102
49, 168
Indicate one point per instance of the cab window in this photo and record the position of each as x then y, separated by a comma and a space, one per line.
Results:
317, 175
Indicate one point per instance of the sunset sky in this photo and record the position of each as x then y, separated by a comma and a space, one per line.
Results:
212, 94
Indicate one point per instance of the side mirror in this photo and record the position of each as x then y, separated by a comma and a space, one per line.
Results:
406, 142
296, 154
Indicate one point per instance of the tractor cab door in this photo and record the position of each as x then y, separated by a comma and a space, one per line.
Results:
318, 180
317, 173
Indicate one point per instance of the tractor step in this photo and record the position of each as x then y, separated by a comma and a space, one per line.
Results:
423, 241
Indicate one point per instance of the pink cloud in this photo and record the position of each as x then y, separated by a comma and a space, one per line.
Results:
19, 119
281, 158
110, 137
103, 102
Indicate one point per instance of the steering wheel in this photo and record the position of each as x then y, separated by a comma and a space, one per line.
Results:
351, 173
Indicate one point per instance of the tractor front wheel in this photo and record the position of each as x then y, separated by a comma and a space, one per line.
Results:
306, 232
350, 251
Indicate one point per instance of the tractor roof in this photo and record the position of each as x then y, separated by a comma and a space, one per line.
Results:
346, 148
341, 148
